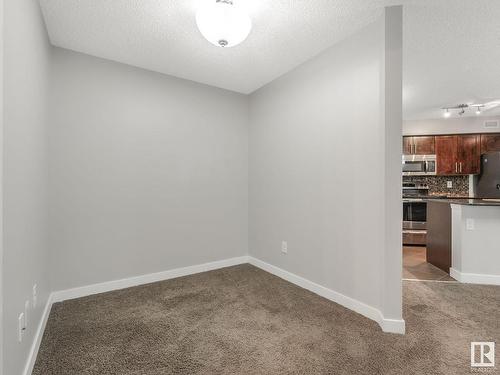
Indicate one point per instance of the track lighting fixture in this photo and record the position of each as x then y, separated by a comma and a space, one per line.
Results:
461, 108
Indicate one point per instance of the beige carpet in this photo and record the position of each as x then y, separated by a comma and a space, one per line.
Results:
241, 320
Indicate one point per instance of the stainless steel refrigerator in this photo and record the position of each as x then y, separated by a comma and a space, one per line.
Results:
488, 182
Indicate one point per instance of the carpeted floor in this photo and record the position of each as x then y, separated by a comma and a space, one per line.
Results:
241, 320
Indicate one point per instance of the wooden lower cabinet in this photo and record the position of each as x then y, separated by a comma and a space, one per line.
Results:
439, 235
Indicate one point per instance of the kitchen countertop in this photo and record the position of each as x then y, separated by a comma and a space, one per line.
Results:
466, 201
434, 197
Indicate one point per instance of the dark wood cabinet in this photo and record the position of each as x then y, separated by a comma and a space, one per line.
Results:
424, 145
446, 155
469, 154
419, 145
407, 145
439, 235
458, 154
490, 142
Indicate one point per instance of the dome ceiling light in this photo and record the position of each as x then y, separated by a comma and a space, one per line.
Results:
223, 24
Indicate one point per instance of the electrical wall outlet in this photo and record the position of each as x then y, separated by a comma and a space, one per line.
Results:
449, 184
20, 327
469, 223
34, 299
284, 247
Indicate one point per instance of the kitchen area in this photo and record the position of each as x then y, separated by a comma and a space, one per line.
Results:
451, 207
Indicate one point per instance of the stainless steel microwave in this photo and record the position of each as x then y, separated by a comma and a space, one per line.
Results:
419, 165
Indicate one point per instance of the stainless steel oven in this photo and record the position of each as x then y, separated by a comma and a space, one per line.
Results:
414, 214
414, 222
419, 165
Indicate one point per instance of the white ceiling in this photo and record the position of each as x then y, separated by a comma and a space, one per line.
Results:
451, 47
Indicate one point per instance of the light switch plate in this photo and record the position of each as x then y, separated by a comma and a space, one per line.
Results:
449, 184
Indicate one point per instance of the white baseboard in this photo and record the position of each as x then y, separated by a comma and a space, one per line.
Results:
88, 290
108, 286
474, 278
28, 368
392, 325
387, 325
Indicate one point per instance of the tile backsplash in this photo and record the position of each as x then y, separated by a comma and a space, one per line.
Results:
438, 185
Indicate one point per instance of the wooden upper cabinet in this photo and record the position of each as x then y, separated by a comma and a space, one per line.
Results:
469, 154
424, 145
446, 154
458, 154
490, 142
407, 145
419, 145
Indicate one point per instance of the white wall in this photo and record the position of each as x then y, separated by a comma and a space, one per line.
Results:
475, 255
1, 182
392, 118
448, 126
25, 168
148, 172
318, 167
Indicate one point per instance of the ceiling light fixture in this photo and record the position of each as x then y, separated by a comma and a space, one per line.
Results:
223, 24
461, 109
478, 108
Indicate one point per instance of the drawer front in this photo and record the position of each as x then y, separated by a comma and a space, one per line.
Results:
414, 237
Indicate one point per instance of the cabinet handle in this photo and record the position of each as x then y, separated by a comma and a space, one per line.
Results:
460, 167
456, 167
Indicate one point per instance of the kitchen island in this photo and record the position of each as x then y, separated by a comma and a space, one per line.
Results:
464, 238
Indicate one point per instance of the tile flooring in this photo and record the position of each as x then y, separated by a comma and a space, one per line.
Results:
415, 266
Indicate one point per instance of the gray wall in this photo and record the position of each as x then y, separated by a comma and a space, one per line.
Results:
148, 172
25, 165
391, 120
449, 125
1, 181
318, 170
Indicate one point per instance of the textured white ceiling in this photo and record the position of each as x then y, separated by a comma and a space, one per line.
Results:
451, 56
451, 47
